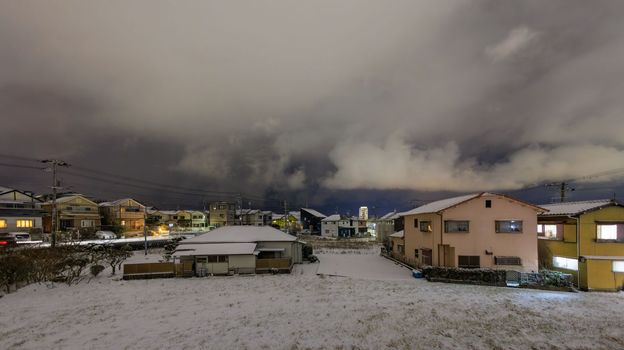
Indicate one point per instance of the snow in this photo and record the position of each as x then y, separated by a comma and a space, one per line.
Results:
241, 234
314, 212
366, 265
437, 206
215, 249
574, 208
398, 234
304, 310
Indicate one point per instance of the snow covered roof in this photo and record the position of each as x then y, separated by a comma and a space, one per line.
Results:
215, 249
241, 234
118, 202
576, 208
5, 189
70, 198
398, 234
333, 217
314, 212
438, 206
388, 216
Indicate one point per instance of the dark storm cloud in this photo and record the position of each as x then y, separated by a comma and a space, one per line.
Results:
287, 96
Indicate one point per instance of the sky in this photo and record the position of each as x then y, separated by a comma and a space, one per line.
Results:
326, 104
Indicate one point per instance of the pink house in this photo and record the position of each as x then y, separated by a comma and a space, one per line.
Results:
472, 231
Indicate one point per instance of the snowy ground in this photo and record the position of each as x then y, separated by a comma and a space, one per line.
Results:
366, 264
305, 310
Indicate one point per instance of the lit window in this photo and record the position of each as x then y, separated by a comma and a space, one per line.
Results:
123, 222
509, 226
547, 231
24, 223
565, 263
3, 223
86, 223
607, 231
618, 266
425, 226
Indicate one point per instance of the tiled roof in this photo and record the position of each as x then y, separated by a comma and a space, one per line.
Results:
575, 208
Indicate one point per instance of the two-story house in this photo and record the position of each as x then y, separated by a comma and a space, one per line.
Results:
335, 224
20, 212
222, 214
126, 213
585, 239
472, 231
73, 212
311, 220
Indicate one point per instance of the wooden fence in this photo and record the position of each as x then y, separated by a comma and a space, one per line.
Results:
156, 270
280, 264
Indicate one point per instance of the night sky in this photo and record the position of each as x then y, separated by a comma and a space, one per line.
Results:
326, 104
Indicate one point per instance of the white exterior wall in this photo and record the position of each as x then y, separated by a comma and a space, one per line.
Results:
12, 223
243, 263
329, 228
291, 249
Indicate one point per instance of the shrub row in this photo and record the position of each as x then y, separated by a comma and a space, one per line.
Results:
469, 276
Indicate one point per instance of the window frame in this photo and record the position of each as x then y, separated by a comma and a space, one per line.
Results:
565, 262
470, 264
429, 229
446, 227
617, 269
497, 226
4, 223
598, 229
542, 226
25, 223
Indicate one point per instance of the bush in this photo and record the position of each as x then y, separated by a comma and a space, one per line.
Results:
307, 250
470, 276
170, 247
96, 269
555, 278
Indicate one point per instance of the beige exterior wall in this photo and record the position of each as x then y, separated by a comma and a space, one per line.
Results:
482, 236
291, 249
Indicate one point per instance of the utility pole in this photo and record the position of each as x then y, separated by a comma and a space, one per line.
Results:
563, 188
54, 222
145, 227
285, 217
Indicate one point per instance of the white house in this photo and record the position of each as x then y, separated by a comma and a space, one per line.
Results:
19, 211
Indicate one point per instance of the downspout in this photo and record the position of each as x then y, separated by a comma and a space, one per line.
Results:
578, 248
441, 238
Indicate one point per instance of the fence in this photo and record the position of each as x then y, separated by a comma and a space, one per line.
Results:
263, 265
149, 270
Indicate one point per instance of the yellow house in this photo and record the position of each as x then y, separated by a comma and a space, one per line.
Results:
127, 213
74, 212
397, 245
585, 239
473, 231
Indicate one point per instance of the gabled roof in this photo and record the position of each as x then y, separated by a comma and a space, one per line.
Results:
118, 202
241, 234
577, 208
398, 234
333, 217
441, 205
314, 212
388, 216
215, 249
71, 198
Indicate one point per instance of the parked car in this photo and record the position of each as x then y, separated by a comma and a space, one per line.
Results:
7, 242
105, 235
20, 236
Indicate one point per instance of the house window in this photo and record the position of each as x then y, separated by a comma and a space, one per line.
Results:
416, 254
547, 231
488, 203
425, 226
415, 222
222, 258
212, 259
507, 260
123, 222
508, 226
24, 223
565, 263
3, 223
618, 266
454, 226
468, 261
86, 223
607, 232
401, 249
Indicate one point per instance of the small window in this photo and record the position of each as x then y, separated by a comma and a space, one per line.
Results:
468, 261
3, 223
508, 226
212, 259
607, 232
425, 226
223, 258
618, 266
454, 226
547, 231
401, 249
415, 222
507, 260
488, 203
565, 263
416, 254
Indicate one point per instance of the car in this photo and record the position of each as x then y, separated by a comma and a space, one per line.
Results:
7, 242
20, 236
105, 235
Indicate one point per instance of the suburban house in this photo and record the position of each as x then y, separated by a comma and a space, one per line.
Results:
222, 214
74, 212
331, 226
311, 220
385, 226
253, 217
472, 231
585, 239
20, 212
240, 249
397, 245
125, 213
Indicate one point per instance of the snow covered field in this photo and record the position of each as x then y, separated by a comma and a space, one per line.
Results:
304, 310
